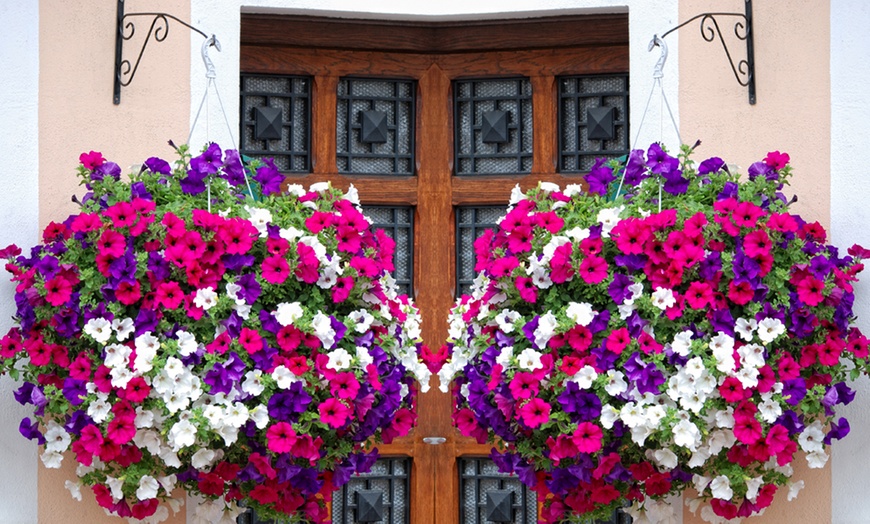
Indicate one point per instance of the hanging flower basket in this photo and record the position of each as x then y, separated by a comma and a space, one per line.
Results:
197, 327
675, 326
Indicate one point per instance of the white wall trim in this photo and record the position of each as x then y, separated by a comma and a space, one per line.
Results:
850, 187
19, 219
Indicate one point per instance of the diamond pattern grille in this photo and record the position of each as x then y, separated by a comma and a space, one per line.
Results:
478, 149
359, 147
290, 96
577, 96
391, 476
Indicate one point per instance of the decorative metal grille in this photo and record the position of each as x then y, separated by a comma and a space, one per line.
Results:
471, 222
488, 495
493, 126
593, 120
398, 224
355, 502
276, 120
375, 126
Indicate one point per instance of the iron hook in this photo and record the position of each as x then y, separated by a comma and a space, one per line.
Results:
209, 65
660, 65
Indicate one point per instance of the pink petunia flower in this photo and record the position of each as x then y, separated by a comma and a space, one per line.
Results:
593, 270
535, 412
58, 290
587, 437
334, 413
527, 290
275, 270
280, 437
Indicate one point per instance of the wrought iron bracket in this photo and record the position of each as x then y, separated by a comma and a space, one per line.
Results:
744, 70
125, 29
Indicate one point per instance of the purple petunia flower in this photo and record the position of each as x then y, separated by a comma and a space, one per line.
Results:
711, 165
158, 165
30, 430
234, 171
838, 430
599, 178
75, 390
793, 391
269, 177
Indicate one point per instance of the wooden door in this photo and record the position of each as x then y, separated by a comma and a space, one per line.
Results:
442, 177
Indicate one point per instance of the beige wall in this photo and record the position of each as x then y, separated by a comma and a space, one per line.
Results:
792, 64
76, 114
792, 114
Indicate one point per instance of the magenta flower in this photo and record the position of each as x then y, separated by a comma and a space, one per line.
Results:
334, 412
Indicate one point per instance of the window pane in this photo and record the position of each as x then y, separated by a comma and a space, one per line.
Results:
593, 120
375, 126
387, 484
275, 120
471, 222
398, 224
488, 495
493, 121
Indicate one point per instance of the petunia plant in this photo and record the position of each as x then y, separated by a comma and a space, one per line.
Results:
206, 326
672, 326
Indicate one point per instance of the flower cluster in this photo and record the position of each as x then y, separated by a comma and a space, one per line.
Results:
675, 326
199, 327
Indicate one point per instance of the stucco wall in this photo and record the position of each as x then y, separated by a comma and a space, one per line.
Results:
19, 61
850, 216
76, 114
792, 115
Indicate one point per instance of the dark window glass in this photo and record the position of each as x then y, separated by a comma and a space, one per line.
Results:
276, 120
593, 120
493, 120
375, 126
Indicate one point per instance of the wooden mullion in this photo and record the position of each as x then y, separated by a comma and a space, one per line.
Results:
545, 125
323, 119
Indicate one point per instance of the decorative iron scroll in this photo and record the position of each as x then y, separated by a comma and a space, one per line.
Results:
744, 70
125, 29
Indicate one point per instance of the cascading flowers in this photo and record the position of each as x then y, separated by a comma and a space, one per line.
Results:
201, 328
675, 326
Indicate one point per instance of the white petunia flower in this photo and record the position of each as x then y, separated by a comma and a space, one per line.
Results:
794, 488
253, 384
665, 458
203, 459
505, 320
260, 218
812, 438
146, 349
322, 326
182, 435
116, 486
745, 328
98, 329
616, 384
260, 416
585, 377
817, 459
608, 218
663, 298
362, 320
75, 489
687, 435
720, 488
751, 355
769, 329
516, 195
187, 344
284, 378
286, 314
530, 359
123, 328
547, 325
99, 409
148, 488
56, 437
609, 415
205, 298
752, 487
52, 459
682, 344
578, 234
581, 313
117, 355
339, 359
290, 234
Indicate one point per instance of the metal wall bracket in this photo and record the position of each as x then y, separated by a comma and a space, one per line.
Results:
124, 30
744, 70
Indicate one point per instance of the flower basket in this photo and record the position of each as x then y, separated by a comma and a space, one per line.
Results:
198, 327
675, 326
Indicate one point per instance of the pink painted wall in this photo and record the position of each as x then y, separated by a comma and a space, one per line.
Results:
792, 114
76, 114
792, 44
